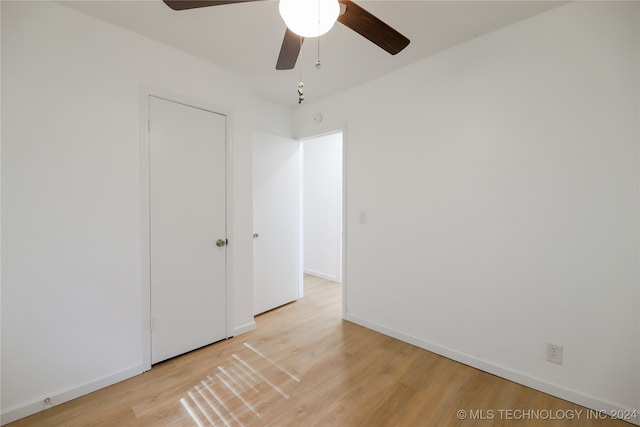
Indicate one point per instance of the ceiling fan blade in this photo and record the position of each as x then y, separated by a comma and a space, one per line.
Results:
289, 50
372, 28
193, 4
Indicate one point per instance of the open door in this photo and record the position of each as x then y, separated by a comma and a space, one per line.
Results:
276, 212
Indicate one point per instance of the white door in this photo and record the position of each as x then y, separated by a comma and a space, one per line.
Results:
187, 147
276, 216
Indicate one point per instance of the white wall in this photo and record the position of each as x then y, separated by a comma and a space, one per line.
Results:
0, 216
272, 118
71, 237
322, 213
501, 182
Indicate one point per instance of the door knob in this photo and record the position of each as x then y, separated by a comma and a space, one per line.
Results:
256, 235
220, 243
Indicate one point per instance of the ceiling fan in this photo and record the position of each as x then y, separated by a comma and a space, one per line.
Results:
349, 14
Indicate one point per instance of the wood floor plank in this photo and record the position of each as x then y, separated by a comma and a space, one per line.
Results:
305, 366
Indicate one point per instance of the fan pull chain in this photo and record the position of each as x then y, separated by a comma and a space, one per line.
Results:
300, 84
318, 64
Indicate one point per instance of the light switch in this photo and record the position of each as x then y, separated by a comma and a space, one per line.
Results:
363, 217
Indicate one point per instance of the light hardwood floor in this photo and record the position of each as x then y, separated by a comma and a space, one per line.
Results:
304, 366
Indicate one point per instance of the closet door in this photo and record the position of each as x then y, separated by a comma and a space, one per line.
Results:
187, 148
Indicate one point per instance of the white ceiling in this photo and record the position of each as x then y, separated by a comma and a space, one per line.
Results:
246, 38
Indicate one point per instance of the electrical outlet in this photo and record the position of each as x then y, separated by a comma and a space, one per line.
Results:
554, 353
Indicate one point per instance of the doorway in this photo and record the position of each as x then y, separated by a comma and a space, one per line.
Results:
290, 177
322, 212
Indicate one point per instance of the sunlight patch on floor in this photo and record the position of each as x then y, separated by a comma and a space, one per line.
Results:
249, 346
192, 413
238, 391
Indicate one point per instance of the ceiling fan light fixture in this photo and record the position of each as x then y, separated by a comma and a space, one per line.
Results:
309, 18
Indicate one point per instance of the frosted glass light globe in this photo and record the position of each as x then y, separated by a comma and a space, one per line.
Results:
309, 18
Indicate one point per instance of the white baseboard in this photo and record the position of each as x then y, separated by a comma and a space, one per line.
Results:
36, 405
242, 329
330, 277
519, 377
33, 406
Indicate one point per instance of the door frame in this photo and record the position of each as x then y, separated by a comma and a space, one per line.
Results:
145, 235
315, 133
